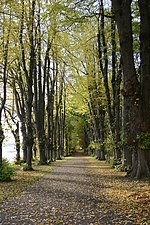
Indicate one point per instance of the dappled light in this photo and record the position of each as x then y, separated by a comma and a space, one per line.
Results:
85, 194
74, 112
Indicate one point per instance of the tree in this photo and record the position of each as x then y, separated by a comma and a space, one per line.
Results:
141, 166
15, 131
29, 72
135, 120
18, 88
4, 72
106, 23
39, 82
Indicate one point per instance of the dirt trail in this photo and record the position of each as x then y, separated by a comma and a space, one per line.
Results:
69, 195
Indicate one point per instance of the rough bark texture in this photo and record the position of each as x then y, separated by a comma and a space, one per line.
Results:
29, 95
20, 106
122, 11
1, 141
4, 82
14, 131
39, 97
113, 106
97, 113
142, 167
141, 162
144, 6
116, 106
136, 114
103, 61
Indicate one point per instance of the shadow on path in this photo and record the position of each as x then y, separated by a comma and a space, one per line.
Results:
68, 195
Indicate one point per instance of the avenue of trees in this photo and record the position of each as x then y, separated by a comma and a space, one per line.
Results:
76, 74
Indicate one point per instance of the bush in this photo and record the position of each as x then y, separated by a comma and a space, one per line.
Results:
7, 171
27, 168
122, 168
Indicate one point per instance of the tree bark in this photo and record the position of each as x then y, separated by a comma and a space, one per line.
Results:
15, 131
20, 108
116, 107
3, 99
130, 91
103, 61
39, 96
113, 107
29, 79
141, 164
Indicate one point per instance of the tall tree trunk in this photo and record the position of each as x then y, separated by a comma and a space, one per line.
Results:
130, 91
48, 137
51, 120
15, 131
103, 61
51, 80
67, 144
29, 82
141, 163
116, 81
39, 96
17, 142
63, 123
1, 139
117, 122
20, 108
3, 99
59, 136
56, 113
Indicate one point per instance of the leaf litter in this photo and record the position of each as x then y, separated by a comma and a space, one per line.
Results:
80, 191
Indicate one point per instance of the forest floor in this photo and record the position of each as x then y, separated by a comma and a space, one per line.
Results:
80, 191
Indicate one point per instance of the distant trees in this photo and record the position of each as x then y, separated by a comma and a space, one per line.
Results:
131, 139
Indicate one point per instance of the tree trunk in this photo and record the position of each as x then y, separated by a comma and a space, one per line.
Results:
141, 165
130, 91
59, 139
117, 150
63, 121
4, 82
113, 106
24, 139
17, 142
67, 144
116, 81
50, 113
1, 140
39, 95
103, 61
29, 95
20, 106
15, 132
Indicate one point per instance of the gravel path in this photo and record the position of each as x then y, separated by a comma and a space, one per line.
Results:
68, 195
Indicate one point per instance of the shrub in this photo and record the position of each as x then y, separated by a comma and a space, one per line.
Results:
7, 171
27, 168
122, 168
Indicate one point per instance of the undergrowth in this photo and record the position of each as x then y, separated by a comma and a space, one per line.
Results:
22, 179
7, 171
